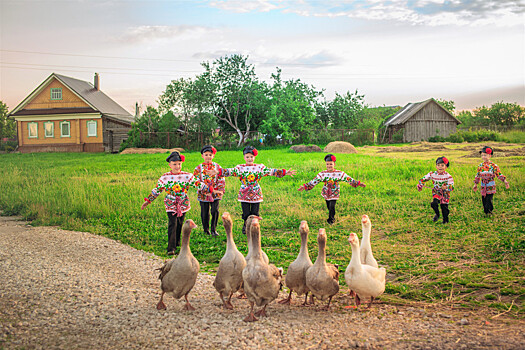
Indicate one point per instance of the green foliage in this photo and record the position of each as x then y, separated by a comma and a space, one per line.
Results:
7, 125
502, 113
449, 105
346, 111
469, 136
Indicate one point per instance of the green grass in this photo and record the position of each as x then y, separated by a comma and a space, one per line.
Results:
474, 261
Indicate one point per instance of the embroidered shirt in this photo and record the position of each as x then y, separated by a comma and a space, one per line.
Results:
176, 187
331, 181
438, 181
214, 182
250, 175
487, 172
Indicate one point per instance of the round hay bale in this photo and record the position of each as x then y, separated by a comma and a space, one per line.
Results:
306, 148
150, 150
340, 147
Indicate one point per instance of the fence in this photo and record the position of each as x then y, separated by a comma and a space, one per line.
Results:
492, 127
228, 140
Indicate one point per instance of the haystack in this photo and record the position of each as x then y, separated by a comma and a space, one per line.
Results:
305, 148
340, 147
150, 150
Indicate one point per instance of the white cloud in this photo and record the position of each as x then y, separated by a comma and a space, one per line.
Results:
242, 6
147, 33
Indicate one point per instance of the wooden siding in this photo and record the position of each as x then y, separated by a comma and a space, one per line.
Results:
78, 133
43, 99
114, 134
430, 121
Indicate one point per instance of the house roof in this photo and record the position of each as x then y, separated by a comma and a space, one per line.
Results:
96, 99
410, 109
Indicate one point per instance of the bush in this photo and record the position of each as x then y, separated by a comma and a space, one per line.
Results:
436, 138
456, 138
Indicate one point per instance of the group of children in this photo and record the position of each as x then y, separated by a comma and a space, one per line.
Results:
208, 179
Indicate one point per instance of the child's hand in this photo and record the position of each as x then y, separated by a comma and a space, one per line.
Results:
444, 187
507, 185
212, 172
218, 192
291, 172
144, 205
475, 188
419, 187
362, 184
301, 188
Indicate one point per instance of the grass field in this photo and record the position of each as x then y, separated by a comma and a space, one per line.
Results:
474, 261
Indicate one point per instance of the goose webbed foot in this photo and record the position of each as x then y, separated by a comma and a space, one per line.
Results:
286, 301
242, 296
306, 300
250, 318
160, 304
327, 306
188, 306
370, 303
261, 312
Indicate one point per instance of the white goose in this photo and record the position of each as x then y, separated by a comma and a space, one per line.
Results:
365, 280
229, 274
178, 275
296, 275
366, 248
262, 282
321, 278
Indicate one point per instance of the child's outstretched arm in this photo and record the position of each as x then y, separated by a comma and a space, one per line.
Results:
477, 178
353, 182
422, 181
500, 176
154, 194
309, 185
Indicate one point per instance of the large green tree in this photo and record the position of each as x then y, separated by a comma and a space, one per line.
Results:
346, 111
502, 113
7, 125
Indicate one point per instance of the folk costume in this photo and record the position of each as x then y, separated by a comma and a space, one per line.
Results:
487, 173
209, 199
331, 188
176, 201
250, 192
441, 197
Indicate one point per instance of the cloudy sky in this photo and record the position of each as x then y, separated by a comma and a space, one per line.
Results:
393, 52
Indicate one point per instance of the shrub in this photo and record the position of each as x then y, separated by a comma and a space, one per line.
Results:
436, 138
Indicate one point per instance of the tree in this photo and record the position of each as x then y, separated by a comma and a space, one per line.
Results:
448, 105
230, 90
7, 125
502, 113
346, 110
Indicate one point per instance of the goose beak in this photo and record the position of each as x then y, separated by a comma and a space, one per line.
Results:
255, 221
192, 224
226, 215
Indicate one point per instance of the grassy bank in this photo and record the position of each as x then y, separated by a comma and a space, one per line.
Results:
475, 260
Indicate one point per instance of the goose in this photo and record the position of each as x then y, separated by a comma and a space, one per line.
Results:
178, 275
367, 257
321, 278
262, 282
229, 274
296, 275
365, 280
248, 228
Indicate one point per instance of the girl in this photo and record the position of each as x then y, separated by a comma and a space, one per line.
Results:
487, 172
443, 185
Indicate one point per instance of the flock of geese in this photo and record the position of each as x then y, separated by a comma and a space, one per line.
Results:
260, 281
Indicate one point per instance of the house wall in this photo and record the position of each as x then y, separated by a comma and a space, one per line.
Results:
430, 121
43, 99
114, 134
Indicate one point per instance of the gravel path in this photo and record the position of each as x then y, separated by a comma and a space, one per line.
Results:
65, 290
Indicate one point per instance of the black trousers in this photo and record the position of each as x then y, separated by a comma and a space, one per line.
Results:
331, 211
487, 203
174, 229
444, 209
205, 215
247, 210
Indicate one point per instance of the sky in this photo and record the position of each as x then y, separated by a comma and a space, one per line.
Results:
392, 52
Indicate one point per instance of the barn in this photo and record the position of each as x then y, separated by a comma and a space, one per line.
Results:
65, 114
419, 121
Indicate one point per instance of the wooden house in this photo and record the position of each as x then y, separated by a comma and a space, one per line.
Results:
419, 121
65, 114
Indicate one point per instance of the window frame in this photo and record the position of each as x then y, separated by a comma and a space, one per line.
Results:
54, 97
29, 130
96, 128
52, 129
62, 130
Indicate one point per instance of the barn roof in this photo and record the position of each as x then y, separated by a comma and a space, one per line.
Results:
96, 99
410, 109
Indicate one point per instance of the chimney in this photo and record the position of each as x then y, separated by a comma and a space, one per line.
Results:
137, 112
97, 82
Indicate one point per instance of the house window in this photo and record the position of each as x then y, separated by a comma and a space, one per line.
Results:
33, 130
49, 129
92, 128
65, 129
56, 93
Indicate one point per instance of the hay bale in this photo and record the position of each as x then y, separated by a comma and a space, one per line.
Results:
150, 150
340, 147
306, 148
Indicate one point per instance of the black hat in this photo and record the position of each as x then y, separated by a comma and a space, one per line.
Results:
487, 149
329, 158
250, 149
208, 148
443, 160
175, 157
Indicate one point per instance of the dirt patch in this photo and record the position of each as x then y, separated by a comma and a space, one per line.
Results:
423, 147
305, 148
150, 150
340, 147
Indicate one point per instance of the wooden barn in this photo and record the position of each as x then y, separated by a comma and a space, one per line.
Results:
419, 121
65, 114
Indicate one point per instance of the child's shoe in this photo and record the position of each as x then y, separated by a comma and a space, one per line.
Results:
214, 234
436, 218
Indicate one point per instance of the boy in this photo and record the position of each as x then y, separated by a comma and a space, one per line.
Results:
443, 184
331, 179
487, 171
209, 199
250, 193
176, 184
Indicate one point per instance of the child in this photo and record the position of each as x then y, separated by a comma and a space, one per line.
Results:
330, 191
216, 185
487, 171
250, 193
443, 185
176, 184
